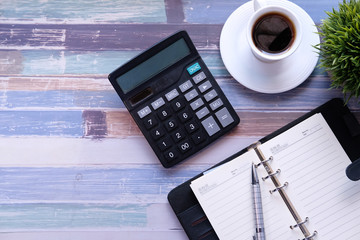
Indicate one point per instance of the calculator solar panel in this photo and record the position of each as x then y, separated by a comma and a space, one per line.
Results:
174, 99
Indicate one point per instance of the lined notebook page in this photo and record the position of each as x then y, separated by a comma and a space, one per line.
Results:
312, 161
225, 196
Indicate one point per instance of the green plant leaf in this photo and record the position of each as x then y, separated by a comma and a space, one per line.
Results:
340, 47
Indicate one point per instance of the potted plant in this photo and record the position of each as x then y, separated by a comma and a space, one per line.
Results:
340, 47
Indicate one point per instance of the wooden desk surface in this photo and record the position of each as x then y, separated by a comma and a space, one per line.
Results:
73, 163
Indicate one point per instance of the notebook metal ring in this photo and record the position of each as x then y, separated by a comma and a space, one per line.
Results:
300, 223
262, 162
310, 237
272, 174
278, 188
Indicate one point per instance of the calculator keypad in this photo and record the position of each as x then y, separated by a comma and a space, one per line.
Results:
183, 119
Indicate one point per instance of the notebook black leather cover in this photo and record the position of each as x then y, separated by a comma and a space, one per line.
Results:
189, 212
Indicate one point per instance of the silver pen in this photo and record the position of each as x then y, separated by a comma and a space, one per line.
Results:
258, 210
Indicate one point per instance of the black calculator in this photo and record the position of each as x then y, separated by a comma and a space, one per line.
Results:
174, 99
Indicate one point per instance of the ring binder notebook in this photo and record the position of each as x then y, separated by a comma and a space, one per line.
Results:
280, 188
304, 165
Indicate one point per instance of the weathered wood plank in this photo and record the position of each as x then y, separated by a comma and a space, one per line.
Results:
121, 184
216, 12
100, 37
41, 123
40, 217
128, 152
58, 62
158, 234
27, 216
82, 11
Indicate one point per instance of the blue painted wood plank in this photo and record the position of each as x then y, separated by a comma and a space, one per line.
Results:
58, 62
126, 184
86, 11
41, 123
60, 99
216, 12
35, 216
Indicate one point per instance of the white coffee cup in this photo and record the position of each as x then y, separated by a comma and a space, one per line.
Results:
262, 15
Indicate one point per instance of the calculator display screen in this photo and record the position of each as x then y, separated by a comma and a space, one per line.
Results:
154, 65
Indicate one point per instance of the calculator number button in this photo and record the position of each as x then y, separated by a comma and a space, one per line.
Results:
202, 113
184, 146
178, 104
164, 113
150, 122
178, 135
171, 124
144, 112
224, 117
171, 155
191, 127
165, 144
158, 103
191, 95
199, 77
210, 126
196, 104
171, 95
157, 133
205, 86
185, 86
210, 95
184, 116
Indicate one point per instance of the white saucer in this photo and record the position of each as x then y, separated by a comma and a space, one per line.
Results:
274, 77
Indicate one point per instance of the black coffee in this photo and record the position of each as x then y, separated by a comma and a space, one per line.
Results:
273, 33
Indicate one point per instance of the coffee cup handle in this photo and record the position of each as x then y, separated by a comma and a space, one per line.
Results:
259, 4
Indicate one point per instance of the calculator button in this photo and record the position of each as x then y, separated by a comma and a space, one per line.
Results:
210, 95
191, 95
158, 103
144, 112
171, 124
210, 126
199, 77
178, 104
157, 133
191, 127
186, 86
150, 122
185, 146
202, 112
178, 135
165, 143
196, 104
194, 68
171, 95
205, 86
184, 116
224, 117
198, 137
216, 104
171, 155
164, 113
